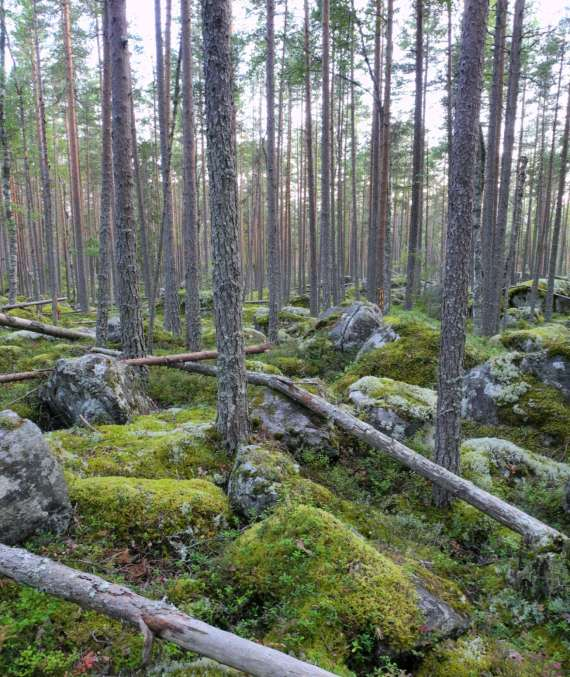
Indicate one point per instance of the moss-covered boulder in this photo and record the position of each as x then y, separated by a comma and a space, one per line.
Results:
149, 512
355, 326
487, 459
256, 481
294, 320
398, 409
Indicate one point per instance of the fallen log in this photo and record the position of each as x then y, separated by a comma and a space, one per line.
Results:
151, 360
536, 534
41, 328
27, 304
153, 618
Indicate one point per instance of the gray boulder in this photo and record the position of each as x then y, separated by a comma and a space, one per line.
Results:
440, 618
256, 479
398, 409
382, 336
552, 370
97, 388
291, 424
356, 325
33, 493
25, 334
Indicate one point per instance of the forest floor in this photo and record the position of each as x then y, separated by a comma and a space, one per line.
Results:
328, 571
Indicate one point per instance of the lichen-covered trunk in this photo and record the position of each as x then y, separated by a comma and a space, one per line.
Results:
104, 270
232, 419
458, 242
129, 306
189, 220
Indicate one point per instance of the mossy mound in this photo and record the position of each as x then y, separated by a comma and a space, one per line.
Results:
406, 400
170, 387
554, 338
329, 584
9, 356
148, 511
149, 447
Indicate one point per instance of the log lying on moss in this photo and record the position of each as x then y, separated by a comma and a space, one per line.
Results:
537, 535
151, 360
27, 304
153, 618
41, 328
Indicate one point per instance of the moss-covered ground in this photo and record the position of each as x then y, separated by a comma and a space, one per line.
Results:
329, 573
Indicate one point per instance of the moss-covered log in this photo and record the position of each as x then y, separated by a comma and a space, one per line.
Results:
537, 535
154, 618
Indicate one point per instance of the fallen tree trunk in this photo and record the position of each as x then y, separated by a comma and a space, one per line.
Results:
153, 618
536, 534
151, 360
27, 304
41, 328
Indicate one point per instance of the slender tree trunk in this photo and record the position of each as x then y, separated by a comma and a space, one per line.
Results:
190, 229
476, 245
273, 248
129, 306
232, 418
354, 258
313, 266
549, 304
326, 235
498, 265
75, 175
458, 243
104, 281
417, 181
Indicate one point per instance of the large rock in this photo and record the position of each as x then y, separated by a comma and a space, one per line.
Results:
491, 385
25, 334
553, 370
96, 388
382, 336
393, 407
33, 493
257, 477
291, 424
356, 325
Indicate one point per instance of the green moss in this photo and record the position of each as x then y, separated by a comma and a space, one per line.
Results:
262, 367
168, 387
330, 585
149, 511
9, 356
554, 338
406, 400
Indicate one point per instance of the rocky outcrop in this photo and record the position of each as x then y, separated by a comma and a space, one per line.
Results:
393, 407
356, 325
382, 336
96, 388
291, 424
553, 370
257, 477
33, 493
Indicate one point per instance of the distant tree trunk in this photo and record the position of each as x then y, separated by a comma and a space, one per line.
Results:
326, 235
384, 197
354, 258
476, 245
190, 228
417, 181
488, 225
171, 304
232, 420
129, 306
274, 259
103, 273
498, 262
49, 230
458, 244
549, 304
9, 222
75, 175
313, 265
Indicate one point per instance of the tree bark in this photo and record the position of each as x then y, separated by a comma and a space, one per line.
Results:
458, 242
129, 306
153, 618
232, 419
326, 235
190, 226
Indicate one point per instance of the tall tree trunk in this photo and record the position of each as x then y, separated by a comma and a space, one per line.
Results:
354, 258
273, 248
313, 265
232, 420
326, 235
488, 225
132, 336
498, 265
49, 230
104, 272
75, 174
171, 304
476, 245
458, 244
190, 228
417, 181
549, 304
